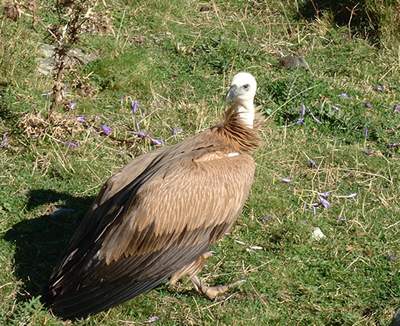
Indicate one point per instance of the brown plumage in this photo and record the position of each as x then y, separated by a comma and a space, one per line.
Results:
156, 218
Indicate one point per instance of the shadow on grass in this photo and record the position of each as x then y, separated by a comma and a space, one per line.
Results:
396, 319
354, 13
41, 242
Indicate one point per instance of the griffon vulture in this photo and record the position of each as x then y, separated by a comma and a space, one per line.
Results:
155, 219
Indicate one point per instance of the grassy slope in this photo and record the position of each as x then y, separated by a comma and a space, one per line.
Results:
179, 72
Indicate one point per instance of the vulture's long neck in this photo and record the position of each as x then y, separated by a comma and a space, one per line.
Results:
241, 127
246, 113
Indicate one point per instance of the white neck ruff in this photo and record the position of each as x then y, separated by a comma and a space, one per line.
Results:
246, 113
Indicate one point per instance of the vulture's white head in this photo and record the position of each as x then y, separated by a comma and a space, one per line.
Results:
241, 93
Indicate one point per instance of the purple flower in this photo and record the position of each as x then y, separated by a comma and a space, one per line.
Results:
300, 120
302, 110
176, 131
134, 106
344, 95
81, 119
366, 132
324, 202
324, 194
4, 141
71, 144
157, 142
312, 164
396, 108
392, 257
71, 105
141, 134
106, 130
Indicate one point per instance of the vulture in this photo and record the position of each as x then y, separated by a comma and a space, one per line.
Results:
155, 219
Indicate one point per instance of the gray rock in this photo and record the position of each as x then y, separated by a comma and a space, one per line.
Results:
293, 62
46, 62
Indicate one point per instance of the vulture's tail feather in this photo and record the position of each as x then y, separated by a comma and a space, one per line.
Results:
87, 302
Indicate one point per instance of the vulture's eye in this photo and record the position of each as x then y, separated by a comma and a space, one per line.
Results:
246, 87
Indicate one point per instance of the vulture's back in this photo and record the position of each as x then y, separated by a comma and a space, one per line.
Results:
153, 217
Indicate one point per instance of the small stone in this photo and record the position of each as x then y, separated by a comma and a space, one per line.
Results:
344, 95
368, 105
392, 257
152, 319
293, 62
317, 234
379, 88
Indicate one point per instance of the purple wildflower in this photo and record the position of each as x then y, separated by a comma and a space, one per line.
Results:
134, 106
141, 134
302, 110
396, 108
392, 257
311, 164
71, 105
300, 120
71, 144
176, 131
81, 119
366, 132
344, 95
4, 141
157, 142
324, 194
324, 202
106, 130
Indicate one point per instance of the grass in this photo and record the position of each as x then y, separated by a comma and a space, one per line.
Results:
176, 58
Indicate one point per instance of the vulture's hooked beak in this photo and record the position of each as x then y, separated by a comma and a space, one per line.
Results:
232, 93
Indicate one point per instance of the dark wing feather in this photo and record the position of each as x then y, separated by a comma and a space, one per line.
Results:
141, 231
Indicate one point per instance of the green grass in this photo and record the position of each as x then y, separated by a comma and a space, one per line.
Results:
179, 71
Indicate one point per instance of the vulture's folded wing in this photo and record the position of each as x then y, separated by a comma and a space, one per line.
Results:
151, 227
